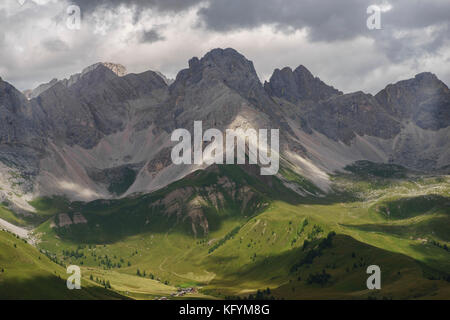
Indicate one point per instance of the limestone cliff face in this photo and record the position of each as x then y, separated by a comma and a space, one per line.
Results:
84, 135
424, 100
298, 85
345, 116
118, 69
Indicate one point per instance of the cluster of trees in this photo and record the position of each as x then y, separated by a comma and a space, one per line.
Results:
53, 258
328, 241
231, 234
358, 264
144, 274
302, 227
73, 254
110, 264
319, 278
314, 252
259, 295
105, 261
105, 283
439, 245
316, 230
202, 242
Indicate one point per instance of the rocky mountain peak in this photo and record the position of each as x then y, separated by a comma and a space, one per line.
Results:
40, 89
104, 70
298, 85
224, 65
423, 99
117, 68
304, 72
10, 98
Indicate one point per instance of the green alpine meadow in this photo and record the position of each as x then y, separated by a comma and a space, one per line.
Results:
275, 245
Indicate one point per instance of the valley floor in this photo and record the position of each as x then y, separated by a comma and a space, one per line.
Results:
316, 249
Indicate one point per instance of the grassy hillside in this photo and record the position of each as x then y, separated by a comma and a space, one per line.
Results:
298, 247
26, 273
7, 215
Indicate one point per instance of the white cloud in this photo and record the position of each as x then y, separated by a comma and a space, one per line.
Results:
36, 46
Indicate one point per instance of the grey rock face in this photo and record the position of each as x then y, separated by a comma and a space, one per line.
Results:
215, 89
345, 116
212, 89
117, 180
118, 69
19, 134
298, 85
94, 106
425, 100
81, 137
41, 88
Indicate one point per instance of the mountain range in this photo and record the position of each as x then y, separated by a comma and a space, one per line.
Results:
86, 162
79, 137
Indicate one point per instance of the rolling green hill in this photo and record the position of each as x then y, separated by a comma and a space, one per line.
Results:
26, 273
230, 233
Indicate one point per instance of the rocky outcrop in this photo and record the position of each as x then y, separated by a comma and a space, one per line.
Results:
118, 69
63, 220
21, 138
424, 100
193, 203
41, 88
298, 85
345, 116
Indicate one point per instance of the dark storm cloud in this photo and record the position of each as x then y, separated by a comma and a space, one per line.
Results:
331, 20
35, 45
413, 45
326, 20
161, 5
151, 36
417, 14
427, 26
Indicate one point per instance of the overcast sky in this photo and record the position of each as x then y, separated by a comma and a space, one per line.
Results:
329, 37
